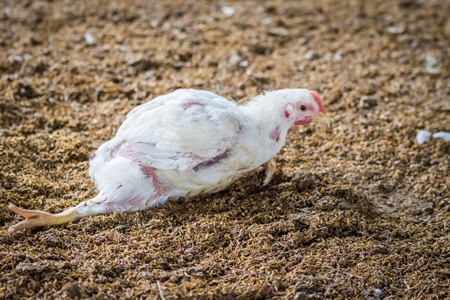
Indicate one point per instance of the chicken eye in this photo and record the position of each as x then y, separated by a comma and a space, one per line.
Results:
303, 108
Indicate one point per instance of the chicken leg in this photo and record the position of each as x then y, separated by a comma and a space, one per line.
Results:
270, 168
36, 218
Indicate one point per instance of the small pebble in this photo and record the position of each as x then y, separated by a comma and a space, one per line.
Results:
228, 10
90, 40
422, 136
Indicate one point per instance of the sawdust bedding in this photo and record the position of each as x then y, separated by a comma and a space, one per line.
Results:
358, 210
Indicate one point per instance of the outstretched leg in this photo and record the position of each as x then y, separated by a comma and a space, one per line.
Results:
99, 205
36, 218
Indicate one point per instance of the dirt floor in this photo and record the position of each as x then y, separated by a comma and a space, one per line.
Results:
358, 210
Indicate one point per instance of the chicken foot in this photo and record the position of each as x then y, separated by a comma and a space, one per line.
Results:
36, 218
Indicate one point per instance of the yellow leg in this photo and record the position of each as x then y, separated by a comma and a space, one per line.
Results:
36, 218
270, 167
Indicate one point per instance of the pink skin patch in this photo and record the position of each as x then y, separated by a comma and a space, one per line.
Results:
129, 153
305, 121
213, 161
126, 205
192, 156
188, 104
148, 172
275, 134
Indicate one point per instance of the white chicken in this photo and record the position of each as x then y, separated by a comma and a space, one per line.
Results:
182, 144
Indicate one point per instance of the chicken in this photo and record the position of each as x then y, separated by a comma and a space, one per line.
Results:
182, 144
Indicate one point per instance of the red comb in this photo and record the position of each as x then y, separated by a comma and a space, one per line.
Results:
318, 100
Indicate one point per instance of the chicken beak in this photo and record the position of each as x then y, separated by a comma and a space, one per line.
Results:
323, 119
